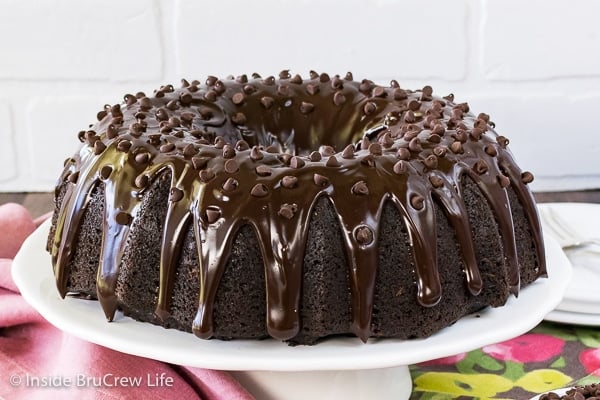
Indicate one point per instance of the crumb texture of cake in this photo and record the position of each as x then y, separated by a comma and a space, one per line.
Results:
294, 208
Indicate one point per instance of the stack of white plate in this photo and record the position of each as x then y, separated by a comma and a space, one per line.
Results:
581, 303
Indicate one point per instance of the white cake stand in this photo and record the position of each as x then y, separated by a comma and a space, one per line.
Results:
334, 369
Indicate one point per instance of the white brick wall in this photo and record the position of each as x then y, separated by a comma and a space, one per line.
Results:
534, 66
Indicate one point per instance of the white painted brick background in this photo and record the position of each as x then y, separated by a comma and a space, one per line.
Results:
534, 66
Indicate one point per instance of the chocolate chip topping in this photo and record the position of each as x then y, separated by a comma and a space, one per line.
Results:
363, 235
123, 218
527, 177
252, 138
360, 188
259, 190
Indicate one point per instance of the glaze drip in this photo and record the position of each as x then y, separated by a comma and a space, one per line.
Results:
262, 152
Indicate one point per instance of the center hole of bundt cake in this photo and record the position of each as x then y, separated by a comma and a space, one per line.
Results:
290, 128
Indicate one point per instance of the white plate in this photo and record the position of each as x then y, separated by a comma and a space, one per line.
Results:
582, 295
32, 273
573, 318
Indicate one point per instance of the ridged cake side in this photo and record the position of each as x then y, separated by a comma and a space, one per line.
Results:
419, 188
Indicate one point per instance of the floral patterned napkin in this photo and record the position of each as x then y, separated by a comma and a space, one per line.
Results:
551, 356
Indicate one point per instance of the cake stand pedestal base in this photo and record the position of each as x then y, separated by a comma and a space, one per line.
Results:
367, 384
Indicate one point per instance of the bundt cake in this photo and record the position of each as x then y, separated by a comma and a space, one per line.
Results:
294, 208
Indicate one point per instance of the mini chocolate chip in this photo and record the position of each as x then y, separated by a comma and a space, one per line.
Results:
324, 77
176, 194
436, 181
172, 105
476, 133
415, 145
480, 167
142, 158
166, 148
267, 102
228, 151
386, 140
365, 143
205, 113
450, 97
112, 131
369, 108
269, 81
284, 74
210, 80
219, 142
400, 94
219, 87
348, 76
256, 154
99, 147
124, 145
483, 116
141, 181
365, 86
263, 170
212, 214
185, 99
230, 185
259, 190
456, 147
238, 99
241, 145
375, 149
206, 175
73, 177
306, 108
289, 182
189, 150
187, 117
312, 89
105, 172
296, 162
431, 161
297, 79
409, 116
526, 177
101, 115
379, 91
199, 162
440, 151
337, 83
313, 74
332, 161
400, 167
461, 135
463, 106
502, 141
394, 84
403, 154
320, 180
326, 151
414, 105
503, 180
314, 156
363, 235
285, 158
427, 93
417, 201
242, 79
231, 166
348, 152
360, 188
211, 95
249, 89
490, 150
433, 138
123, 218
238, 118
287, 211
339, 98
438, 129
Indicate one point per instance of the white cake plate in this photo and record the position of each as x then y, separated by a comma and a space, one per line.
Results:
341, 368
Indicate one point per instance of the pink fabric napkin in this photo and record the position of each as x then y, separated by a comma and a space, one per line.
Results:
38, 361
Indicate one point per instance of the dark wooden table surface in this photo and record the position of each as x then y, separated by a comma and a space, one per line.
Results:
40, 203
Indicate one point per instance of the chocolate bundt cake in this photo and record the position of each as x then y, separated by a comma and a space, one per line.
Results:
294, 208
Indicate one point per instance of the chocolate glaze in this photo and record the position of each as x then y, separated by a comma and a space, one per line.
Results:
262, 152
